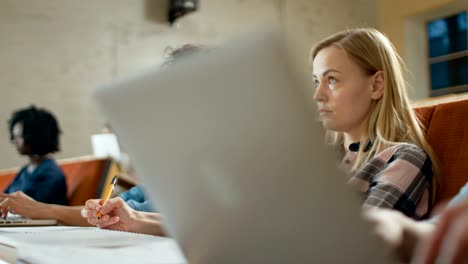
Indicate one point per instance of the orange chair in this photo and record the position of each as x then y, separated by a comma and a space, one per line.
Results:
447, 133
85, 177
6, 177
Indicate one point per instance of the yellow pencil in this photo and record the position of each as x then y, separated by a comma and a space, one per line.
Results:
107, 194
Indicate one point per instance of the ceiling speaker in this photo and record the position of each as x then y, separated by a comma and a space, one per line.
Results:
179, 8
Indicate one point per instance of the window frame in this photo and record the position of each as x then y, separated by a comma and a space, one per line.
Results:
444, 58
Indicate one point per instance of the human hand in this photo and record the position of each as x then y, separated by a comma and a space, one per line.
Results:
20, 203
449, 242
398, 232
116, 214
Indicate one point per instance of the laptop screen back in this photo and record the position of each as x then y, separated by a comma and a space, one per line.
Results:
233, 158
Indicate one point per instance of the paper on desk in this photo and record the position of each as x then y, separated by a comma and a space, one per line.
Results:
84, 237
163, 251
35, 229
83, 245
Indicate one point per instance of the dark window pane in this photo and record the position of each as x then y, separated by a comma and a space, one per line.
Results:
462, 21
447, 35
449, 73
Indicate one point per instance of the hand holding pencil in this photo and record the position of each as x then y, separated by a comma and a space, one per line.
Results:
117, 215
107, 193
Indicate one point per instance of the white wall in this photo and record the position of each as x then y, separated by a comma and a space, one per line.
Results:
308, 22
54, 53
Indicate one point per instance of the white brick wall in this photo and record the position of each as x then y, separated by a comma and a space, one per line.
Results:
55, 52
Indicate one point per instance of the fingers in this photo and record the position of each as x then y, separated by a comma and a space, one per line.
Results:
93, 207
111, 204
11, 209
106, 221
4, 195
103, 222
97, 222
4, 207
90, 211
4, 201
84, 212
449, 229
12, 195
387, 225
20, 194
454, 245
93, 204
4, 212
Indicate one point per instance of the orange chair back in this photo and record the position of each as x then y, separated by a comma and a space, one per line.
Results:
447, 133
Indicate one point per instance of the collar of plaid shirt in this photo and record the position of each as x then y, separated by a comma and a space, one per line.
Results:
354, 147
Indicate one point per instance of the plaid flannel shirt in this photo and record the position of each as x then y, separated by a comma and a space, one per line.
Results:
399, 178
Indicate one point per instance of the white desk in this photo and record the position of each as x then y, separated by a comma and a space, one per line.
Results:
59, 244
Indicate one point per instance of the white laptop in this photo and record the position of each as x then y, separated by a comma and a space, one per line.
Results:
14, 220
106, 145
234, 159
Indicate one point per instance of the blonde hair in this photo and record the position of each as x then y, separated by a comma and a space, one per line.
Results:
392, 120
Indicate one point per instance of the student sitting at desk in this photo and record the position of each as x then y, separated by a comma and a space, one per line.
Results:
118, 215
445, 239
22, 204
362, 99
35, 133
363, 104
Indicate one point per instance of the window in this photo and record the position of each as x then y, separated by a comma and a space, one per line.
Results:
448, 54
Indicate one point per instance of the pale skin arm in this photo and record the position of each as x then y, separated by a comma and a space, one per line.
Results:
117, 215
24, 205
400, 233
449, 242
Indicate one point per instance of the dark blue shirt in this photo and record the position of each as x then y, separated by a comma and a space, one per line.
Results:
45, 184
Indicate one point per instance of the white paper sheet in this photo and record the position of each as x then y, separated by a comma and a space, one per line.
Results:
90, 245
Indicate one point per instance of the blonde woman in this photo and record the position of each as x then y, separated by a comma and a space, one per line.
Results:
362, 100
363, 104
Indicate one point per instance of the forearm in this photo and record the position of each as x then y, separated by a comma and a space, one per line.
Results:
67, 215
147, 223
413, 233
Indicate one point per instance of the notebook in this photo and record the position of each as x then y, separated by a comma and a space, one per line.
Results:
230, 152
14, 220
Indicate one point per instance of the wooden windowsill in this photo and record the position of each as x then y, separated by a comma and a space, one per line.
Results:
440, 99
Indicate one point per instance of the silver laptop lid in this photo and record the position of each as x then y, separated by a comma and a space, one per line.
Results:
232, 157
14, 220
